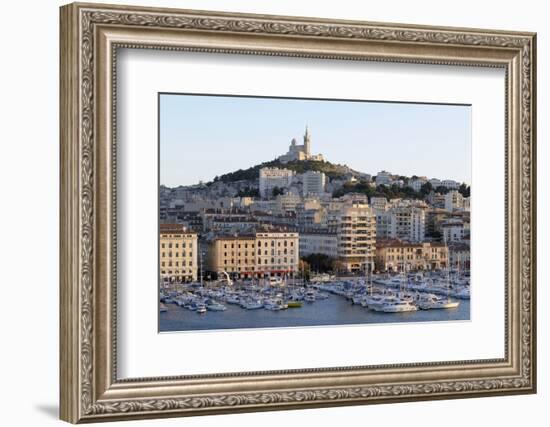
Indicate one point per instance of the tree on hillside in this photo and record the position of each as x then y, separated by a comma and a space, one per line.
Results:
464, 190
426, 188
277, 191
249, 192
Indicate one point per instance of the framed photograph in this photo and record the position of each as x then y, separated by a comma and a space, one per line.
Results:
267, 212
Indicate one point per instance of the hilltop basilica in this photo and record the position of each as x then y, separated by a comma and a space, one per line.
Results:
300, 152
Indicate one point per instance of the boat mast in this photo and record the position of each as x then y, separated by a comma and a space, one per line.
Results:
202, 273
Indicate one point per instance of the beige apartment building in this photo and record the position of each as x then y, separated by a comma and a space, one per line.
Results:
178, 253
397, 255
232, 254
258, 255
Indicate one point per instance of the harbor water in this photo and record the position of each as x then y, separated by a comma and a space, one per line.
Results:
334, 310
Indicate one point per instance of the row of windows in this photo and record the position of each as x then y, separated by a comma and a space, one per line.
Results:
279, 261
176, 254
176, 263
176, 272
284, 252
176, 245
285, 243
401, 249
407, 257
278, 267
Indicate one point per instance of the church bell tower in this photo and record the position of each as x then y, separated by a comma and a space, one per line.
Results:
307, 142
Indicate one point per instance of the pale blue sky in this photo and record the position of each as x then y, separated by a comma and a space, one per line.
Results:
205, 136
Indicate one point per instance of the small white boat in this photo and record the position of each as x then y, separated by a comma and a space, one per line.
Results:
310, 296
372, 300
233, 299
215, 306
357, 299
321, 295
201, 309
463, 293
272, 305
252, 304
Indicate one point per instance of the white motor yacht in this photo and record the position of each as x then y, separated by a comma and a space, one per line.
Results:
216, 306
393, 304
431, 301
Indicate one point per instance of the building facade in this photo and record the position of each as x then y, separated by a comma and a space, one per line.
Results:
401, 222
459, 256
271, 178
450, 184
232, 254
416, 184
256, 255
384, 178
453, 201
453, 230
277, 254
319, 243
178, 254
408, 223
356, 237
396, 255
313, 183
379, 203
384, 224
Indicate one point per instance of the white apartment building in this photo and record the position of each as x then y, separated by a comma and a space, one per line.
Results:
447, 183
403, 222
416, 184
379, 203
383, 178
435, 182
356, 237
466, 204
453, 201
319, 243
384, 224
453, 230
313, 183
450, 184
287, 202
271, 178
408, 223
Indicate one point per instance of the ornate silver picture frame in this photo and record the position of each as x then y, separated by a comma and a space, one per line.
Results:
91, 35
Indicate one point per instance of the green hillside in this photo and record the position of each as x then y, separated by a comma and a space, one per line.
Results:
330, 169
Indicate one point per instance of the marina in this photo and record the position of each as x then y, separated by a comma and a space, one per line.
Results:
331, 301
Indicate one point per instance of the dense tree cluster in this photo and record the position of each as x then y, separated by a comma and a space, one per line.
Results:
330, 169
395, 191
320, 263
